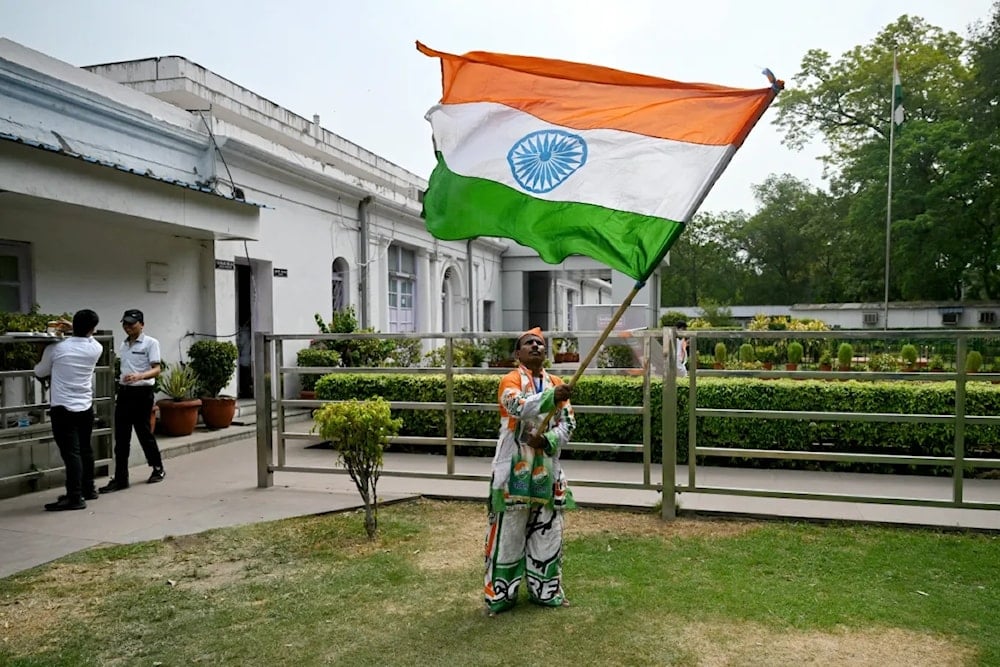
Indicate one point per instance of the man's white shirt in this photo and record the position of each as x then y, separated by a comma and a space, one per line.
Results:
70, 363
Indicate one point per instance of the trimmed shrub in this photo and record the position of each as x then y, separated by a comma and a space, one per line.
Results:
313, 357
912, 439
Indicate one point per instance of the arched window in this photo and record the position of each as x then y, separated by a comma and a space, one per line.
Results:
340, 278
447, 290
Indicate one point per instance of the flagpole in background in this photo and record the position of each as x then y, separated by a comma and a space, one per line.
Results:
895, 118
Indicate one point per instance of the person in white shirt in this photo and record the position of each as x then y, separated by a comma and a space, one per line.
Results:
140, 364
682, 351
70, 366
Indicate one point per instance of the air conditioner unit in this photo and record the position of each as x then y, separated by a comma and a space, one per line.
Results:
870, 319
987, 317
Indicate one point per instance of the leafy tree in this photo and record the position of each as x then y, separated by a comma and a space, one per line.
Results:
360, 431
781, 240
704, 263
936, 234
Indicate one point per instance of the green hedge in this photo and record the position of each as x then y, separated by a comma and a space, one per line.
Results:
731, 393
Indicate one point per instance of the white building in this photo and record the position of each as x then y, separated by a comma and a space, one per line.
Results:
157, 184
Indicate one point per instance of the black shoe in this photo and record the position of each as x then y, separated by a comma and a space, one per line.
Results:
65, 504
157, 476
112, 486
87, 495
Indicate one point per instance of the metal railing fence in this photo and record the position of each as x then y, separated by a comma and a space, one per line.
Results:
657, 354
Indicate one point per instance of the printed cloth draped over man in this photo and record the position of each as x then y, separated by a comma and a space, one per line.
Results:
528, 491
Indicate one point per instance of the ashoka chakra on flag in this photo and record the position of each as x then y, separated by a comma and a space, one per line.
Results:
542, 160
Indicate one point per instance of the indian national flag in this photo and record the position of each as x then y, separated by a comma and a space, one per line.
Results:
897, 95
574, 159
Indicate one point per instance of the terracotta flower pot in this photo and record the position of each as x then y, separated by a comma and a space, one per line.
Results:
178, 417
218, 412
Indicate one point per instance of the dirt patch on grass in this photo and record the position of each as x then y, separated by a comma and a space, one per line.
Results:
456, 536
587, 522
752, 645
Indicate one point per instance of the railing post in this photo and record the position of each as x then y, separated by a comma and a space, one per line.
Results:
279, 396
691, 407
959, 463
262, 394
449, 403
669, 446
647, 417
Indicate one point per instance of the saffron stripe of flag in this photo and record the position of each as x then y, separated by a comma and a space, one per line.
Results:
574, 159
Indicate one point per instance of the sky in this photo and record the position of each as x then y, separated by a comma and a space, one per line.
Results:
355, 65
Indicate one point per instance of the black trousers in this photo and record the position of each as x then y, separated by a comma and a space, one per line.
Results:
132, 410
72, 431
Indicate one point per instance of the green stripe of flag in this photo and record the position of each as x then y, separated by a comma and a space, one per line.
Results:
459, 207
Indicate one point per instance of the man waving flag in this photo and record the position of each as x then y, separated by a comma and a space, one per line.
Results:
575, 159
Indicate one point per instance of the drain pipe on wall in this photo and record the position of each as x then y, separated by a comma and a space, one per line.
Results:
472, 291
363, 257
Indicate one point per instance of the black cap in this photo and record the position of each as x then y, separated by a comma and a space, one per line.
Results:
132, 315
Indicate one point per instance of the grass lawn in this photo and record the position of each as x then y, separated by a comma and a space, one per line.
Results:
314, 591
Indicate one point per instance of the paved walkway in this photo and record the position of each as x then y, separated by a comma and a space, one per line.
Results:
211, 483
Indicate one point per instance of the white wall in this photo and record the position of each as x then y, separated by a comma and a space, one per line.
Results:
84, 259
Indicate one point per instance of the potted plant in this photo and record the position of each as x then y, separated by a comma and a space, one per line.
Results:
973, 361
500, 353
825, 360
794, 355
721, 354
179, 413
565, 350
909, 355
845, 355
936, 363
214, 362
767, 355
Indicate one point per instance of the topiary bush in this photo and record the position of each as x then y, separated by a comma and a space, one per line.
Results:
973, 361
845, 355
214, 362
794, 352
909, 354
747, 355
721, 353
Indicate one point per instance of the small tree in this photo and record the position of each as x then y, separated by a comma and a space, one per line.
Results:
360, 431
909, 354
